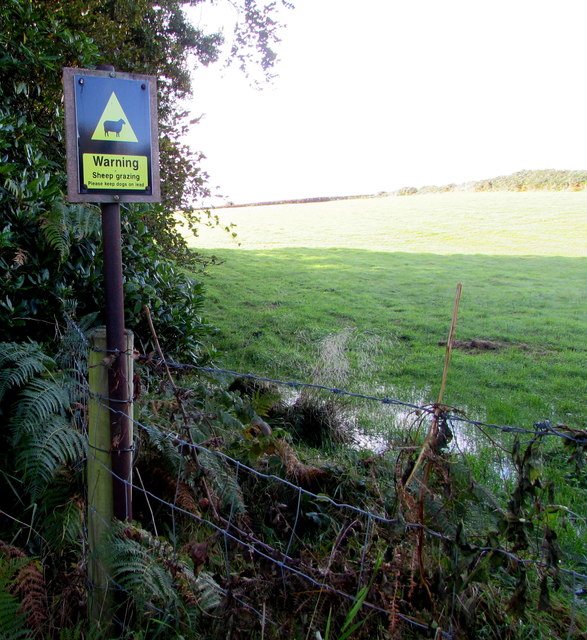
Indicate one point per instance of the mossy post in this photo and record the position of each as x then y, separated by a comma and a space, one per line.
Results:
99, 472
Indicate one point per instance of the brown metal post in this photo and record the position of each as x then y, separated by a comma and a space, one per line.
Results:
118, 383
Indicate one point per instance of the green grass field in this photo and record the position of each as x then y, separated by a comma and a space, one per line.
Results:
359, 294
531, 223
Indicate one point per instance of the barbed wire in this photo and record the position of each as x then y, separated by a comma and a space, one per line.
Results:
546, 429
181, 443
178, 441
543, 427
231, 532
279, 563
283, 561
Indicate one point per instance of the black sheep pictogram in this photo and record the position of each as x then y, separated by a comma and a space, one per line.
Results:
114, 126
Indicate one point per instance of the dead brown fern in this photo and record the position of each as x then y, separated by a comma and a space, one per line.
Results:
29, 586
11, 552
184, 498
302, 473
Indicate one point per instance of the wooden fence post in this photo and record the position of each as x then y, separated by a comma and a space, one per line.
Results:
99, 478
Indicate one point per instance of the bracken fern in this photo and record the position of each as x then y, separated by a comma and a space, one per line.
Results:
23, 594
19, 363
57, 225
157, 578
40, 420
12, 621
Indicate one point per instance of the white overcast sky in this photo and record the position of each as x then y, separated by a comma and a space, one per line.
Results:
374, 95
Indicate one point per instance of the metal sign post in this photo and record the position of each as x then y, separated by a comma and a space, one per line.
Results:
113, 157
118, 374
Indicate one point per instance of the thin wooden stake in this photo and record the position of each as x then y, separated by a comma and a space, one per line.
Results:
176, 391
449, 342
433, 429
158, 346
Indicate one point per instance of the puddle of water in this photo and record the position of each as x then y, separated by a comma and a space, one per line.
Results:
378, 427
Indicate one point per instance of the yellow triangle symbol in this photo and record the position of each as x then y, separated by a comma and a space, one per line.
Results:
114, 125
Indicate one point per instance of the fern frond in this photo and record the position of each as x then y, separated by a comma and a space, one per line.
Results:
38, 401
39, 421
164, 444
64, 223
63, 526
29, 584
79, 632
43, 450
263, 400
55, 229
224, 482
19, 363
185, 499
71, 634
84, 220
202, 594
10, 551
155, 575
207, 591
12, 619
138, 570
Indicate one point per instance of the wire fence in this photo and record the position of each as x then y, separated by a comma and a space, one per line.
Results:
288, 554
240, 466
541, 427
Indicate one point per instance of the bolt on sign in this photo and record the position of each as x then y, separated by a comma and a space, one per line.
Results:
111, 136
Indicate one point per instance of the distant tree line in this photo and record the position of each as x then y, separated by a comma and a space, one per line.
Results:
539, 180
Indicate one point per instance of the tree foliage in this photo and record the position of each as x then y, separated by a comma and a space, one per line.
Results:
50, 256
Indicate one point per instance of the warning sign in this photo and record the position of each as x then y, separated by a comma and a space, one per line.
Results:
112, 151
114, 123
115, 172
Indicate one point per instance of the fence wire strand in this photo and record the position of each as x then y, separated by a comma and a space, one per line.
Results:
279, 563
542, 427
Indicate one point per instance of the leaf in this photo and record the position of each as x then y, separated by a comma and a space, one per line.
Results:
52, 445
40, 399
12, 619
19, 363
